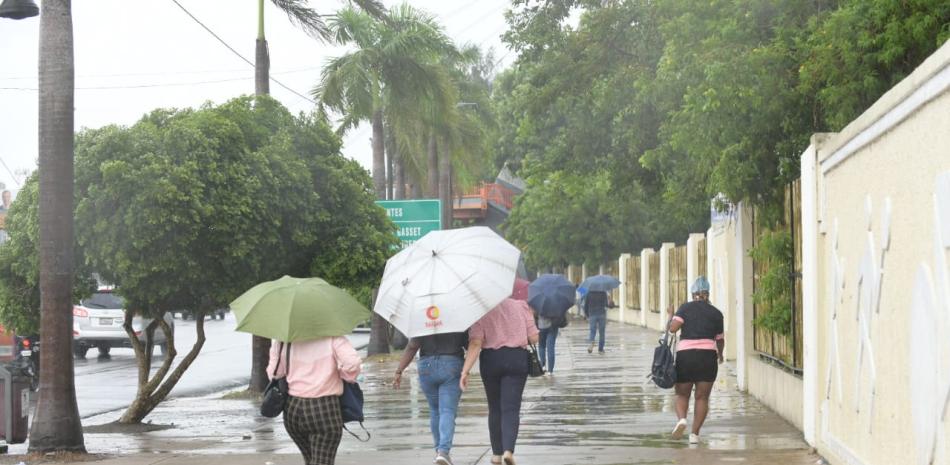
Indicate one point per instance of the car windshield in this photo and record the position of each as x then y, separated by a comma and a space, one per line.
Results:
103, 300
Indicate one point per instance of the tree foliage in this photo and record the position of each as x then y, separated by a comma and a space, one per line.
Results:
186, 209
681, 101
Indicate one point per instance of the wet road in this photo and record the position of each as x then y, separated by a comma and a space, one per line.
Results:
109, 384
596, 409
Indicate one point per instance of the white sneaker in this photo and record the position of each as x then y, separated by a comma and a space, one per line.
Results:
694, 439
679, 429
443, 459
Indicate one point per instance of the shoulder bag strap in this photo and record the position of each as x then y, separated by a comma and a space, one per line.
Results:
277, 366
368, 435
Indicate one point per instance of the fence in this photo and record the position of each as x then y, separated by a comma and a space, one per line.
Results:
677, 292
653, 298
633, 283
785, 347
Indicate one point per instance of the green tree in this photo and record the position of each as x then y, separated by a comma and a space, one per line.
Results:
19, 265
392, 67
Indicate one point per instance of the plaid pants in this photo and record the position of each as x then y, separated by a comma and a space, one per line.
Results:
316, 426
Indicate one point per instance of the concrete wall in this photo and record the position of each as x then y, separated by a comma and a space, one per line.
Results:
878, 297
775, 387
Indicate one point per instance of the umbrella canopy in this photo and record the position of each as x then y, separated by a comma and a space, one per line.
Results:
601, 282
447, 281
551, 295
521, 289
297, 309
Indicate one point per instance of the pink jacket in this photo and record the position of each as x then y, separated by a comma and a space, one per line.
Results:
318, 367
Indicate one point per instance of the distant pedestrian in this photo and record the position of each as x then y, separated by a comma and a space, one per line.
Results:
315, 380
548, 328
595, 308
441, 357
698, 356
499, 342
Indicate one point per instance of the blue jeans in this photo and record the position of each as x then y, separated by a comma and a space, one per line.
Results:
439, 377
546, 341
598, 323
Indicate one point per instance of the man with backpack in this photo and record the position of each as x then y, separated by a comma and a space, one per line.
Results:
595, 308
548, 337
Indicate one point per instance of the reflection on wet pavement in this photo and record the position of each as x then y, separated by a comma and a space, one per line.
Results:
595, 409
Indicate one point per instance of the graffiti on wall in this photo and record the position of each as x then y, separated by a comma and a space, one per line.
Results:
929, 325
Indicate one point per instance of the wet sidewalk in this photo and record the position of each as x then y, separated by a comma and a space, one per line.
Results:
595, 410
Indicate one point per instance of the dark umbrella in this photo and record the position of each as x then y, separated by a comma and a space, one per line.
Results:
551, 295
601, 282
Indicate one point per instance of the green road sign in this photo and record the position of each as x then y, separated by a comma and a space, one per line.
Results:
414, 218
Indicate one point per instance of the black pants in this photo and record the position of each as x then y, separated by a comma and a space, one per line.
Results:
504, 372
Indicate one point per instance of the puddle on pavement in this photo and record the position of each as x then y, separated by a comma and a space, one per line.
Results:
592, 403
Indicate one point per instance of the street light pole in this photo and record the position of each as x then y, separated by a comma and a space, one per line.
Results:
18, 9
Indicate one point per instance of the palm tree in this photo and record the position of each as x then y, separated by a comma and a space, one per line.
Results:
56, 423
394, 67
312, 23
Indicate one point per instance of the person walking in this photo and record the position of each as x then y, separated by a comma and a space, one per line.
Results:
315, 372
499, 342
547, 338
698, 356
441, 357
595, 308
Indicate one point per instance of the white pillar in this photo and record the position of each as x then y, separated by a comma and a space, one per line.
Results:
583, 272
665, 283
600, 270
744, 334
570, 273
645, 255
810, 292
622, 268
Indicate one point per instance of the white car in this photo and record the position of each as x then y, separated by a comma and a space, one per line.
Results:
98, 320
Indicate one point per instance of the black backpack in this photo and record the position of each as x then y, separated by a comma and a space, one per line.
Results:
663, 371
351, 408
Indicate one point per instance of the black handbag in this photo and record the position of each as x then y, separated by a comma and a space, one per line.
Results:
663, 370
351, 408
277, 391
534, 363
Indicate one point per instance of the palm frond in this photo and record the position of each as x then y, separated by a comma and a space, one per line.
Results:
305, 18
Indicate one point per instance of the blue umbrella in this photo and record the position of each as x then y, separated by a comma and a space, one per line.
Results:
551, 295
601, 282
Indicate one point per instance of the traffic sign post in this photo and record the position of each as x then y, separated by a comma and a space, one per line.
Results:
413, 218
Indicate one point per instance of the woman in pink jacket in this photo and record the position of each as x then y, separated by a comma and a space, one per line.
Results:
317, 370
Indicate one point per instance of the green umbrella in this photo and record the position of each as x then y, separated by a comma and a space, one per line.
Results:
297, 309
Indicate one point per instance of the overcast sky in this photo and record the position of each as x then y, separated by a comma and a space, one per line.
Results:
133, 56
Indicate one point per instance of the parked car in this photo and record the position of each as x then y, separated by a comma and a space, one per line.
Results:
21, 353
219, 314
98, 320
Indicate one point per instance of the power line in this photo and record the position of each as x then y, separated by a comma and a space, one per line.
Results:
166, 73
142, 86
229, 47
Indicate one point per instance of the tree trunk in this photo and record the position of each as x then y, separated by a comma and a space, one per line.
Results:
390, 173
56, 425
399, 175
378, 333
445, 188
415, 190
260, 356
379, 156
153, 391
432, 173
261, 68
260, 346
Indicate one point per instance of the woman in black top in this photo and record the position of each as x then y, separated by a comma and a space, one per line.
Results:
441, 357
698, 356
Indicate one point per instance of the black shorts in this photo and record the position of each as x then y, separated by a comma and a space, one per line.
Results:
697, 366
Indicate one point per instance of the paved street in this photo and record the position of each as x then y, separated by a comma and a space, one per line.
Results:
596, 409
109, 384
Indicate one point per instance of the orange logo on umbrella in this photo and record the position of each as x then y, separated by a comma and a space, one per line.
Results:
432, 312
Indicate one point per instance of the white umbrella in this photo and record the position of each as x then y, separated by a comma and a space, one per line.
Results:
447, 281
